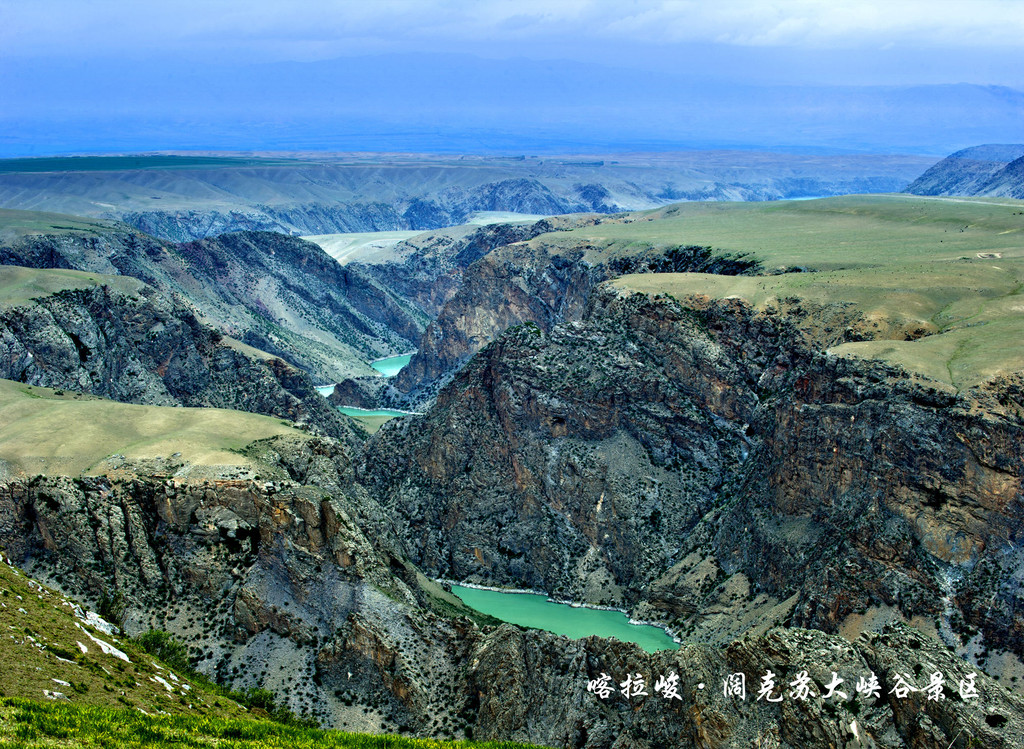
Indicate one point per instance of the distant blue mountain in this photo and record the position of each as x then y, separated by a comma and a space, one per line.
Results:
992, 170
420, 102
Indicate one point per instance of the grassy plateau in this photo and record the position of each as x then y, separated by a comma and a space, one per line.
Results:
19, 286
943, 278
55, 432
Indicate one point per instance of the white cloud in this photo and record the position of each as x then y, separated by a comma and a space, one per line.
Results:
818, 23
306, 28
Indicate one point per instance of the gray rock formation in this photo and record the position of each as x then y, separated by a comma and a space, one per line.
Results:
300, 589
279, 294
988, 171
144, 348
533, 282
705, 466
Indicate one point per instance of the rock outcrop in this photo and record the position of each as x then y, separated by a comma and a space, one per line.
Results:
520, 283
989, 171
429, 268
534, 282
279, 294
707, 466
143, 347
299, 590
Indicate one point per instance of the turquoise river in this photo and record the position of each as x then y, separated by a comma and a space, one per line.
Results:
392, 365
533, 610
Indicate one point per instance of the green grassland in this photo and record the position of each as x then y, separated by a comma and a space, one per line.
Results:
23, 223
55, 432
29, 725
122, 163
827, 234
21, 285
98, 699
951, 271
39, 645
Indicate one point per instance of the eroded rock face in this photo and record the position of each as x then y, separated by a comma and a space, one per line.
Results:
534, 282
705, 466
298, 590
278, 293
398, 208
529, 697
519, 283
146, 348
428, 269
991, 170
253, 576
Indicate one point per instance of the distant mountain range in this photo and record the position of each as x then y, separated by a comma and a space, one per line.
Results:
182, 198
459, 103
993, 170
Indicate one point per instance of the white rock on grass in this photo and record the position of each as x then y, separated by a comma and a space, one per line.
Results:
106, 647
161, 680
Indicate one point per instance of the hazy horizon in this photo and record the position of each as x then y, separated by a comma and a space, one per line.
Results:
500, 77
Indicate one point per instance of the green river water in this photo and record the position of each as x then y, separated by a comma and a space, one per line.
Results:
366, 413
372, 419
533, 610
392, 365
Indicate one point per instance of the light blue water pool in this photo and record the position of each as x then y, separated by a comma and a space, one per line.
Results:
532, 610
392, 365
349, 411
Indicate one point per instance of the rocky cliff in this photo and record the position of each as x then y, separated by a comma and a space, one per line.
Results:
418, 210
989, 171
707, 466
299, 587
276, 293
534, 282
517, 284
137, 345
428, 269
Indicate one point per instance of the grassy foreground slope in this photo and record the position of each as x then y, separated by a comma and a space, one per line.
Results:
940, 280
52, 651
55, 432
31, 725
66, 682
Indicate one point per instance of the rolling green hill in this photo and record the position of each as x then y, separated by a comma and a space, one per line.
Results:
55, 432
938, 281
827, 234
25, 223
21, 285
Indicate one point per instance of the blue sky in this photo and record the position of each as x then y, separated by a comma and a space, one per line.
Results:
509, 75
865, 42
